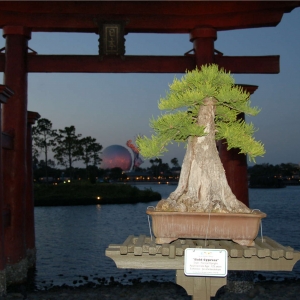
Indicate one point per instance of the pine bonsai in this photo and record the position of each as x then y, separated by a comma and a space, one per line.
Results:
201, 108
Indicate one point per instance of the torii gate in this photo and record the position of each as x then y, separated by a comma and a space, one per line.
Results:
201, 20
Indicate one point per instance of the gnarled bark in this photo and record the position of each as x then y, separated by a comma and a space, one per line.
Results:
203, 186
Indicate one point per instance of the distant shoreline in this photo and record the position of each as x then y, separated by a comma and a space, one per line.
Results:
91, 194
152, 182
86, 201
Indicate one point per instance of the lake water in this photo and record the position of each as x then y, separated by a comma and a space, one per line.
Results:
71, 241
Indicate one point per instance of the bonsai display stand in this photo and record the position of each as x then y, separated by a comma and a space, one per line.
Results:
142, 253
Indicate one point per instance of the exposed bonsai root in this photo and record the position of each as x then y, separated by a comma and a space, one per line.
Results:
190, 206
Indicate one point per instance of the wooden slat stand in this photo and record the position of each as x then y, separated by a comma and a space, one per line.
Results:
142, 253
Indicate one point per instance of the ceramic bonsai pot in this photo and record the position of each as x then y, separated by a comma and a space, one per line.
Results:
169, 226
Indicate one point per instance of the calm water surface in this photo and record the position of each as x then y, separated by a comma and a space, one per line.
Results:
71, 241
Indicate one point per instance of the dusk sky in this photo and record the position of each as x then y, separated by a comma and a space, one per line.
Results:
114, 108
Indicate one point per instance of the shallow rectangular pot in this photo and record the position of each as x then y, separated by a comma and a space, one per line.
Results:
169, 226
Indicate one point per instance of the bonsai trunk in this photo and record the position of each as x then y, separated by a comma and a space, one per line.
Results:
203, 186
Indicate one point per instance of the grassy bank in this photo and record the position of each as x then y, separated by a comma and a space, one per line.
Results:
87, 193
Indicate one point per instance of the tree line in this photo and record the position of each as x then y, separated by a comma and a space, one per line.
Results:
268, 175
67, 146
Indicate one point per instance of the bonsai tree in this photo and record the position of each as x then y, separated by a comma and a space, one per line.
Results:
201, 108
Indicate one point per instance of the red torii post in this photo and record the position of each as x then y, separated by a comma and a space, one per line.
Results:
5, 93
235, 164
29, 201
14, 161
203, 40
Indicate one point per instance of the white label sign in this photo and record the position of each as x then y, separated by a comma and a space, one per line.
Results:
205, 262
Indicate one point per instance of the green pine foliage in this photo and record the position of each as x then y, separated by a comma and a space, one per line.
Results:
182, 104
